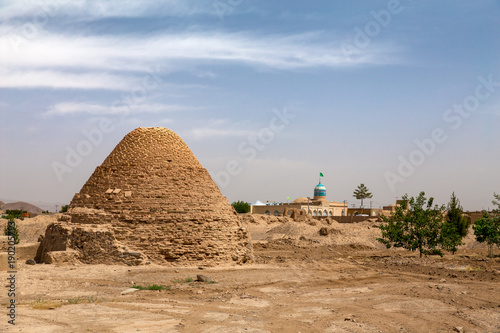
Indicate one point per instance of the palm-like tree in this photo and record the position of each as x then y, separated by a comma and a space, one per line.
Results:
362, 193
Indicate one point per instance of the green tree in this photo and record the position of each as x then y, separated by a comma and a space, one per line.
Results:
415, 228
496, 203
487, 228
241, 206
64, 209
361, 193
11, 230
15, 213
455, 226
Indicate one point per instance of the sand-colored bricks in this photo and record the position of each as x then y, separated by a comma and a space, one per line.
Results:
153, 197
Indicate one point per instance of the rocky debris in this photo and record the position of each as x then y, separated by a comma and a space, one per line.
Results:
458, 329
323, 231
84, 244
30, 262
150, 201
203, 278
350, 318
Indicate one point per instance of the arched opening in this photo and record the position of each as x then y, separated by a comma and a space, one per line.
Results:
330, 213
276, 213
319, 213
343, 213
325, 213
267, 212
314, 213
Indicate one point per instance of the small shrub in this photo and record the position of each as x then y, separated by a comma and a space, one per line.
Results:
186, 280
11, 230
75, 300
81, 299
151, 287
45, 305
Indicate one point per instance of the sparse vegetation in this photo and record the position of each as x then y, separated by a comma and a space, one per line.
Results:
11, 230
46, 305
151, 287
83, 299
186, 280
64, 209
14, 214
241, 207
52, 304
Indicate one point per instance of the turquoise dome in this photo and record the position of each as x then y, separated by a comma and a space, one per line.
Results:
320, 190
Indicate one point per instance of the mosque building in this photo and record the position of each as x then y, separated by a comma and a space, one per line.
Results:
316, 206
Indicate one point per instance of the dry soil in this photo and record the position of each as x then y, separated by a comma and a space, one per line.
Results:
301, 281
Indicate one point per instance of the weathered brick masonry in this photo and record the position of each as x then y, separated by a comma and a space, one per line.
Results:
150, 200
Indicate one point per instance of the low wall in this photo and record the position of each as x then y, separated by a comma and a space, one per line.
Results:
24, 251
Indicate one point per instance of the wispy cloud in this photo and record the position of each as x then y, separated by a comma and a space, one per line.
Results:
91, 9
32, 78
207, 132
70, 108
220, 128
110, 62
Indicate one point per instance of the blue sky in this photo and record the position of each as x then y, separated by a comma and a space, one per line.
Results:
403, 96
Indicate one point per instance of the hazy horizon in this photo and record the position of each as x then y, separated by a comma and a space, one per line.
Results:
403, 96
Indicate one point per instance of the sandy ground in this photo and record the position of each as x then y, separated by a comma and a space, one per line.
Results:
301, 282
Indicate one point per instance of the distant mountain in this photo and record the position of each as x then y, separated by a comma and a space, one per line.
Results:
50, 206
22, 206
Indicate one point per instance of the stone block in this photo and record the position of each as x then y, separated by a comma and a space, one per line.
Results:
61, 257
27, 250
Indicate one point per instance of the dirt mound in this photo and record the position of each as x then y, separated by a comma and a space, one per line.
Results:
311, 231
30, 229
314, 232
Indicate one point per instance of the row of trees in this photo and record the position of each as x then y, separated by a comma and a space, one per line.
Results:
420, 225
14, 213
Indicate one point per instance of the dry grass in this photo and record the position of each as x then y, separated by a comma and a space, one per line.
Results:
46, 304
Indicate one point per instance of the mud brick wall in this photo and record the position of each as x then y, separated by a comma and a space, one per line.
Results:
154, 196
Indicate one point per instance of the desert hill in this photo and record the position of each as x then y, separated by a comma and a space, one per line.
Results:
21, 205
